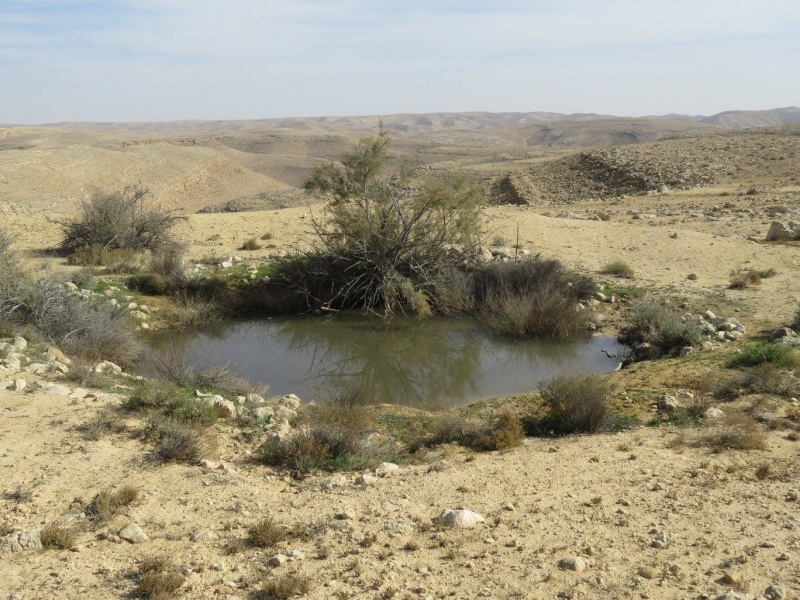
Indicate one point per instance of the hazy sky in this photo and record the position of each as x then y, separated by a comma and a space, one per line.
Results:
113, 60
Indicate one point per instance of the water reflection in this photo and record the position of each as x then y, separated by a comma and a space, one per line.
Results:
404, 361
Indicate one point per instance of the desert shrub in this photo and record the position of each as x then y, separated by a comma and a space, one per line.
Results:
543, 313
251, 244
170, 401
195, 312
106, 504
157, 579
168, 261
19, 494
176, 441
765, 378
501, 432
174, 366
528, 298
768, 273
796, 319
120, 219
744, 279
661, 326
499, 240
267, 236
382, 242
149, 283
59, 538
266, 533
737, 432
332, 437
11, 276
758, 353
106, 420
117, 260
576, 403
81, 328
453, 293
284, 587
618, 268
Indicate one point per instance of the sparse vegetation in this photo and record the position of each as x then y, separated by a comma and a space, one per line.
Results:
758, 353
117, 260
175, 441
251, 244
741, 280
120, 219
618, 268
499, 433
284, 587
106, 420
576, 404
266, 533
660, 325
158, 579
55, 537
333, 436
106, 504
737, 432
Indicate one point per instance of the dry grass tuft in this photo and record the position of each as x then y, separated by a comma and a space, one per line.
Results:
618, 268
54, 537
251, 244
158, 579
266, 533
576, 403
741, 280
764, 472
106, 504
738, 432
284, 587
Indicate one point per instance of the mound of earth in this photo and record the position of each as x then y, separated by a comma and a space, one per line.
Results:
680, 163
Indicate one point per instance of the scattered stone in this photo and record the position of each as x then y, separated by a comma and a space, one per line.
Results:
668, 403
573, 563
387, 469
366, 479
784, 556
133, 534
107, 367
203, 536
18, 385
460, 518
647, 572
333, 482
20, 343
348, 514
661, 541
277, 560
21, 540
713, 413
782, 232
55, 389
774, 592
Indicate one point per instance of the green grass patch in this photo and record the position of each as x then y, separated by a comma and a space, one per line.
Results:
759, 353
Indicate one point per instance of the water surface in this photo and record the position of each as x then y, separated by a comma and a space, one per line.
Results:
402, 361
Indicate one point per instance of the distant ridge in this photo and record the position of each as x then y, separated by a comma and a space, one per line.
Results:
431, 122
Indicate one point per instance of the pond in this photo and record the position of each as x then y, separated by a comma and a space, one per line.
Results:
433, 362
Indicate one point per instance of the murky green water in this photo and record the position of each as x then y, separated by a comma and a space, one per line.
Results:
403, 361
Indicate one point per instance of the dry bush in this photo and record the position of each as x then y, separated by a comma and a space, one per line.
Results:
266, 533
737, 432
576, 403
195, 312
284, 587
759, 353
174, 366
168, 261
764, 471
150, 284
618, 268
54, 537
796, 319
116, 260
106, 504
120, 219
741, 280
106, 420
765, 378
660, 325
332, 437
157, 579
81, 328
267, 236
531, 298
499, 433
20, 495
176, 441
251, 244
